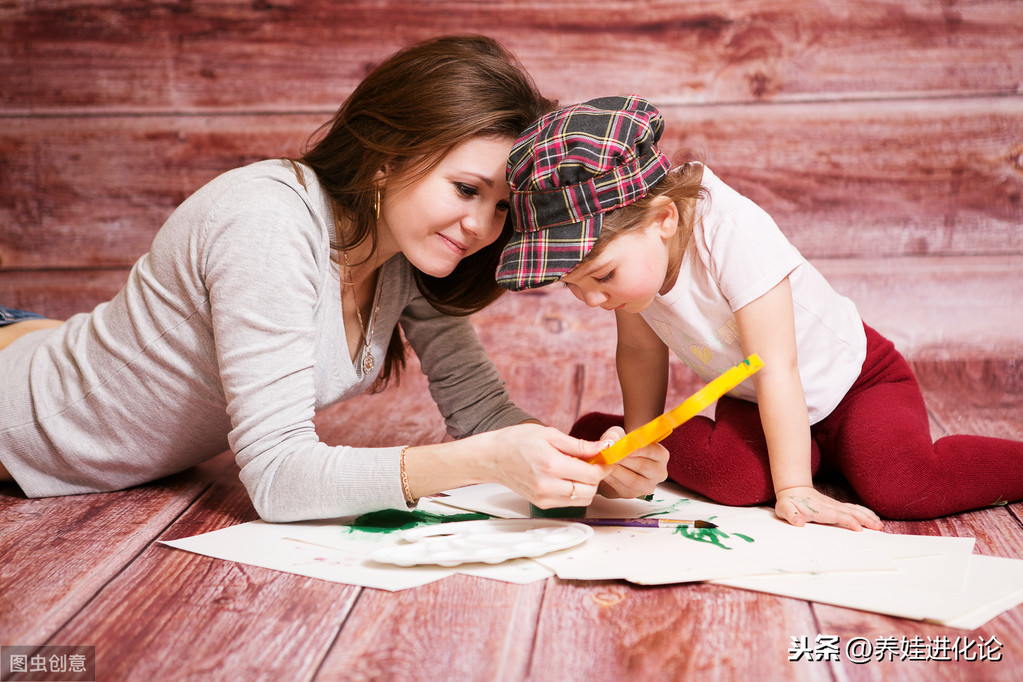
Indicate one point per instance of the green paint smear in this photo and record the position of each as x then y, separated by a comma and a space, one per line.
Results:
670, 510
712, 536
391, 520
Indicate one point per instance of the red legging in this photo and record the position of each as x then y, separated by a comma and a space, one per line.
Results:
878, 438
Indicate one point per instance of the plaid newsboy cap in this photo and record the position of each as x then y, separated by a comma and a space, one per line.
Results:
568, 169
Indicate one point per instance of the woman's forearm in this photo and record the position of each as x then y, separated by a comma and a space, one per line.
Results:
536, 461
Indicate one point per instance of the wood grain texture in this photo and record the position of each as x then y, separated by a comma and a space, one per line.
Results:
558, 355
930, 307
871, 179
978, 395
57, 551
601, 391
288, 56
550, 392
408, 635
59, 293
856, 179
176, 615
548, 322
883, 136
675, 632
92, 192
848, 624
238, 622
937, 307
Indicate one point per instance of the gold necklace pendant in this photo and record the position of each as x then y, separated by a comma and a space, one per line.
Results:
368, 361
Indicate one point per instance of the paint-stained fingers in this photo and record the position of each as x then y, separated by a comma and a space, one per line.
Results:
825, 515
845, 520
800, 509
851, 516
789, 511
866, 517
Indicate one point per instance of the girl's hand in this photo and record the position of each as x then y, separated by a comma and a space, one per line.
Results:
638, 474
545, 466
803, 503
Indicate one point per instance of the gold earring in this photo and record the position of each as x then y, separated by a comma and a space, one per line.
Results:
376, 204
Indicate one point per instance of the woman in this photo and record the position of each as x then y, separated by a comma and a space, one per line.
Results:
281, 287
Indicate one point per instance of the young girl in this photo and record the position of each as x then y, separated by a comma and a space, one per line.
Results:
690, 265
280, 287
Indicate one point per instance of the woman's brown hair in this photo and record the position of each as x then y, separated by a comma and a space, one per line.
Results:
407, 114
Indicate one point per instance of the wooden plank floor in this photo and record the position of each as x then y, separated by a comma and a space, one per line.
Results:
882, 135
87, 570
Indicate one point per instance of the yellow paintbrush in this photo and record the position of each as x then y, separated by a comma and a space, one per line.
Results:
658, 429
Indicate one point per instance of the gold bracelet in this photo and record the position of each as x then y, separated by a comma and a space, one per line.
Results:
404, 477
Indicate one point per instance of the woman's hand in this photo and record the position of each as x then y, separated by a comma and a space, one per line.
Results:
638, 474
803, 503
544, 465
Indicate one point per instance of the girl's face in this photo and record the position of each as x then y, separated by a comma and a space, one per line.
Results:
453, 211
631, 270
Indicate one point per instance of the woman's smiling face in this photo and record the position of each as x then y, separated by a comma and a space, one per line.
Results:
451, 212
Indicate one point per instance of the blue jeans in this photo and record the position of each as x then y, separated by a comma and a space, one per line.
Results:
12, 315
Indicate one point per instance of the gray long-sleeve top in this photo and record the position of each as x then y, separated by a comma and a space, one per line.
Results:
229, 333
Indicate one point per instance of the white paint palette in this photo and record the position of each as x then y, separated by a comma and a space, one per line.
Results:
489, 541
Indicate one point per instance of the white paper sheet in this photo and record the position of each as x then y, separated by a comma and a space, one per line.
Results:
751, 543
748, 540
919, 577
669, 501
1001, 579
268, 545
330, 550
917, 590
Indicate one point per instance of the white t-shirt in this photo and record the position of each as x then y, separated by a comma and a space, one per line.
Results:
736, 255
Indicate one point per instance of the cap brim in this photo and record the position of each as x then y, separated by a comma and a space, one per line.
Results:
541, 257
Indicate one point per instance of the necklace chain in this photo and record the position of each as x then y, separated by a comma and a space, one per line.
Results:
368, 361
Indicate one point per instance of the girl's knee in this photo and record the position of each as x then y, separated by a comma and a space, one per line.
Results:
906, 493
734, 477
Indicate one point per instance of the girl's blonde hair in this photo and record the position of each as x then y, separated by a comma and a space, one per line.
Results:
682, 186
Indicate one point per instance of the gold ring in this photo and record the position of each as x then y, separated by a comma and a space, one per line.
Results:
571, 495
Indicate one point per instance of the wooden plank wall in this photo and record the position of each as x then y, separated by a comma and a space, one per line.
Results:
883, 135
